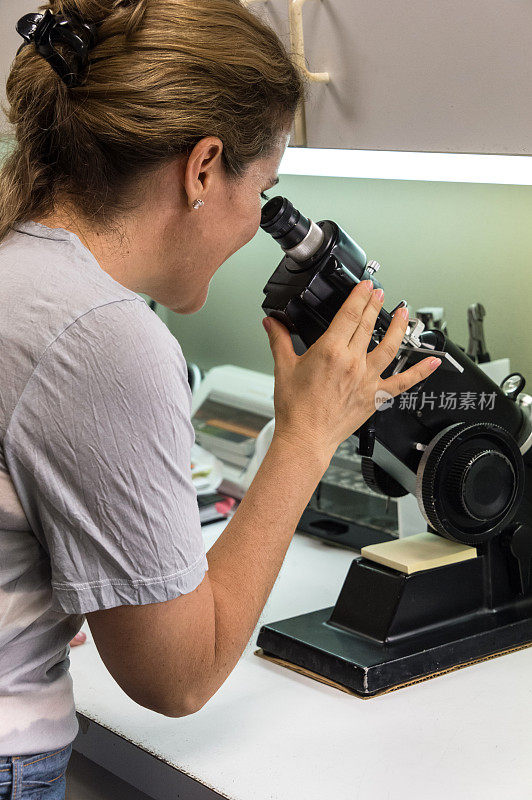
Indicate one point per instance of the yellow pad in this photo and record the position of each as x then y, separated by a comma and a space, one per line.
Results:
418, 552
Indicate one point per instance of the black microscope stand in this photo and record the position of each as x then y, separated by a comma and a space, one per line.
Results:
388, 629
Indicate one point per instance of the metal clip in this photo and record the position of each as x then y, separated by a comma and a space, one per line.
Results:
476, 348
413, 332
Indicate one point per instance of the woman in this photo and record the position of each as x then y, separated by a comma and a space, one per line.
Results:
145, 137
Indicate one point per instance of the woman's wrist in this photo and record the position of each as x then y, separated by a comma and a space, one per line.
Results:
309, 453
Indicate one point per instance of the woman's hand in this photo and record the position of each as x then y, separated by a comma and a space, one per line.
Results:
325, 395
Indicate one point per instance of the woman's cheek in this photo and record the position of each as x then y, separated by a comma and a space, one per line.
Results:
254, 224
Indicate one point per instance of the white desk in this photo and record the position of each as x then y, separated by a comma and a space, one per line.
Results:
270, 734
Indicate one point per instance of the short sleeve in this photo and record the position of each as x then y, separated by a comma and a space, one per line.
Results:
98, 449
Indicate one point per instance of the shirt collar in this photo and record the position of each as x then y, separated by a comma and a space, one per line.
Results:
42, 232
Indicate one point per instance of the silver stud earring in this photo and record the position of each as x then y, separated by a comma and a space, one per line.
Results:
197, 204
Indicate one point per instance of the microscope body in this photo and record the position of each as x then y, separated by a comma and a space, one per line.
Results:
457, 442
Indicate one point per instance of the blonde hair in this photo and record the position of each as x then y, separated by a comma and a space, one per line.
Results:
162, 75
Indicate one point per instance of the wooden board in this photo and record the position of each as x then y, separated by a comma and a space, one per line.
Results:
321, 679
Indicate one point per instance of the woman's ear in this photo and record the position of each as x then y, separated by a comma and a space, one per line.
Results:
202, 168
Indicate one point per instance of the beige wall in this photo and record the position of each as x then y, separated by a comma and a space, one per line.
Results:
10, 41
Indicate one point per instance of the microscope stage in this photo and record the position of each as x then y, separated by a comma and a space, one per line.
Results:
419, 552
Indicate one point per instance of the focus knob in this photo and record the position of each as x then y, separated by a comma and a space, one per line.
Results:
483, 482
470, 482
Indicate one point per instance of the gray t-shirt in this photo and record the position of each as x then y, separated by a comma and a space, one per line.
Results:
97, 505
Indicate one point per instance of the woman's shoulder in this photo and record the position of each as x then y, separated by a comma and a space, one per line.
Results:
63, 309
39, 265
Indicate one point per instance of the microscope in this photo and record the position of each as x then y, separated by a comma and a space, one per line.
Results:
461, 444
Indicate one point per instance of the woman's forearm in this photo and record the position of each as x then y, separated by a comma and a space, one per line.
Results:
246, 559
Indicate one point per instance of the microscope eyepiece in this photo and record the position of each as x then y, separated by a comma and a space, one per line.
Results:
299, 237
285, 223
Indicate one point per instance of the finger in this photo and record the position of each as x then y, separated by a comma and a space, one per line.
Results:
360, 340
79, 638
280, 341
386, 350
397, 384
348, 316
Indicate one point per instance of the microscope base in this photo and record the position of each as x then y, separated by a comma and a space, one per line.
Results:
368, 667
389, 628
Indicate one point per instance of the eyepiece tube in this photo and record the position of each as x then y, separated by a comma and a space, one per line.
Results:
299, 237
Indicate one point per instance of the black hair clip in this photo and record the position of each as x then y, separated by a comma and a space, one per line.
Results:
47, 30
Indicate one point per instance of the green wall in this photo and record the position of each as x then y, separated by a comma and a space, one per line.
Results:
6, 144
442, 244
447, 244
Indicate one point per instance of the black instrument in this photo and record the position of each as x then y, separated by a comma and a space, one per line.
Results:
459, 443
